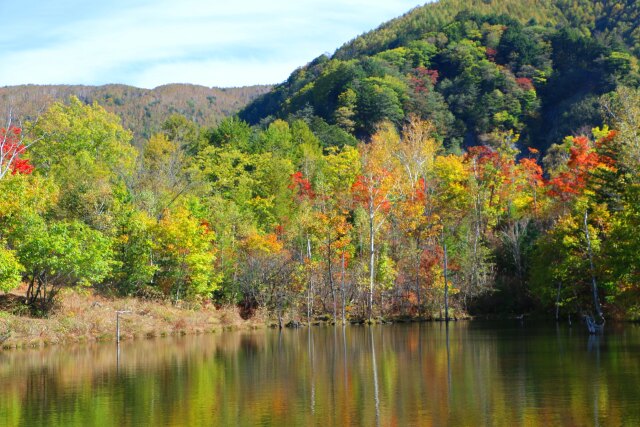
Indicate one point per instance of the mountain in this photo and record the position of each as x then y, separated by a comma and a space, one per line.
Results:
597, 17
142, 110
483, 71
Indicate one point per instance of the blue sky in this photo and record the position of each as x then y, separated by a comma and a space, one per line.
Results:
148, 43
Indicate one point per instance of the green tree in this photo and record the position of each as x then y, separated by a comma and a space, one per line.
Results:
87, 153
60, 254
10, 269
184, 256
133, 250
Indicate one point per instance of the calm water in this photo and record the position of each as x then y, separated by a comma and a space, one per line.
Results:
402, 375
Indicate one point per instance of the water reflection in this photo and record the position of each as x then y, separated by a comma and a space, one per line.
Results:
449, 393
376, 394
594, 349
422, 374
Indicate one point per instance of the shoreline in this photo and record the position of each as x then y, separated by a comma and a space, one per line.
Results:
89, 317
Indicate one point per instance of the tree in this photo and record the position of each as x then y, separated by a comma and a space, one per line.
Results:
622, 191
87, 153
21, 197
10, 269
345, 112
12, 149
452, 198
133, 250
374, 189
624, 110
184, 133
416, 153
562, 267
341, 169
184, 256
162, 177
571, 251
377, 102
60, 254
571, 180
231, 132
266, 274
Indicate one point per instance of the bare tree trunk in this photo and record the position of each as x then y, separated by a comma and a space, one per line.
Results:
310, 288
371, 261
279, 303
343, 289
29, 294
235, 263
417, 278
594, 284
476, 239
331, 284
446, 282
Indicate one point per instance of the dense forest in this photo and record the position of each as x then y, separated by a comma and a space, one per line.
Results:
141, 110
464, 158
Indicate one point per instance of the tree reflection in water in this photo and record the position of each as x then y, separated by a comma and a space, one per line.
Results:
420, 374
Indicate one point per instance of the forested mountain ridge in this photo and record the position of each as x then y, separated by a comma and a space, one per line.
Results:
435, 15
141, 110
479, 70
591, 17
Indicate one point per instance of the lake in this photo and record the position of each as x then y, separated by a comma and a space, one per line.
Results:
469, 374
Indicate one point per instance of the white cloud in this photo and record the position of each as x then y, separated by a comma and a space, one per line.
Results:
197, 41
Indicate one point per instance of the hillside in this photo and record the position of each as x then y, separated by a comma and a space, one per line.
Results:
591, 17
481, 70
141, 110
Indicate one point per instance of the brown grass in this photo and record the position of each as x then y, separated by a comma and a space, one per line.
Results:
84, 316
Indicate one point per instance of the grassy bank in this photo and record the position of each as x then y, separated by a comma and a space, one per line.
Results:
89, 317
82, 316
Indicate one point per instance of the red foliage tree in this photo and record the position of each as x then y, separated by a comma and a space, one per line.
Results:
11, 150
491, 54
533, 175
582, 160
525, 83
301, 186
421, 78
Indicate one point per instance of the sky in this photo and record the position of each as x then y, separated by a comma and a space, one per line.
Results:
147, 43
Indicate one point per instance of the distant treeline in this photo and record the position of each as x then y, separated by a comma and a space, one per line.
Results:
141, 110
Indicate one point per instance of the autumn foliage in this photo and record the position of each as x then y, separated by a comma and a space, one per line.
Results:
301, 186
583, 159
394, 225
12, 149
